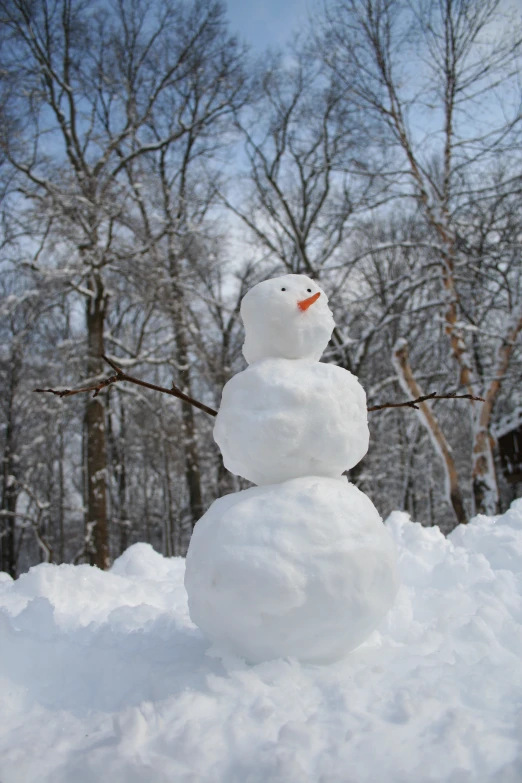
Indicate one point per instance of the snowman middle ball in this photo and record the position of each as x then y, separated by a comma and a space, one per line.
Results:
280, 419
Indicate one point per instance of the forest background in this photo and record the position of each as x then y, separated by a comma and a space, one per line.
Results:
152, 169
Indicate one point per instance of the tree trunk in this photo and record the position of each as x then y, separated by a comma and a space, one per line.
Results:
122, 482
61, 501
189, 431
430, 421
9, 498
485, 489
117, 451
169, 544
192, 471
8, 555
146, 511
97, 525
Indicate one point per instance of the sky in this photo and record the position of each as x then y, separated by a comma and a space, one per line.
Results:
263, 23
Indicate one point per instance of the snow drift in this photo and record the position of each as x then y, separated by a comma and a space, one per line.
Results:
104, 678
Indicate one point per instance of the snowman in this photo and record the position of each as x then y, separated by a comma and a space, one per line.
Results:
301, 565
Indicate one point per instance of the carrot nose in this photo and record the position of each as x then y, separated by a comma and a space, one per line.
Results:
305, 304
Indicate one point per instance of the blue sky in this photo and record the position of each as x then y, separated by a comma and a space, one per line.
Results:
263, 23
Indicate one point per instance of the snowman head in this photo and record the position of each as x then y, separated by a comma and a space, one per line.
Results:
288, 318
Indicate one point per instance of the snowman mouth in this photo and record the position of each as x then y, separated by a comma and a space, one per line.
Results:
305, 303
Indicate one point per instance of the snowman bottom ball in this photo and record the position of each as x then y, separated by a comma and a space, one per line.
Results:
302, 569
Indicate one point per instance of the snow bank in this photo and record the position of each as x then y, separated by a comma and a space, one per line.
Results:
104, 678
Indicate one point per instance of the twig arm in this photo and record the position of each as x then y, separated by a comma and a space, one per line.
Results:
423, 398
175, 392
122, 376
96, 389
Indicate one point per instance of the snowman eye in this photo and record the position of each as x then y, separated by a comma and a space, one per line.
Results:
283, 289
309, 290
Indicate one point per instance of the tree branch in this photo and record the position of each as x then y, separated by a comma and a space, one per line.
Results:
431, 396
122, 376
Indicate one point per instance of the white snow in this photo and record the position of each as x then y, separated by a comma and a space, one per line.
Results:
303, 569
276, 327
104, 678
507, 423
281, 419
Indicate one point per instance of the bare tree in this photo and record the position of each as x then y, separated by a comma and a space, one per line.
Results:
25, 473
174, 190
93, 78
440, 79
307, 172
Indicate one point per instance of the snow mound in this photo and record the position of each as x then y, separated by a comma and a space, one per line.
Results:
280, 419
497, 538
104, 678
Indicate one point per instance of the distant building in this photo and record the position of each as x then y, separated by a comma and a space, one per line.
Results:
508, 433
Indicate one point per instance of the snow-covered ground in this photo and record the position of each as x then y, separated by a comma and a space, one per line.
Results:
104, 678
